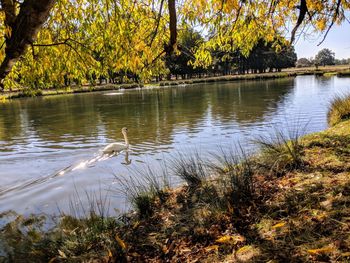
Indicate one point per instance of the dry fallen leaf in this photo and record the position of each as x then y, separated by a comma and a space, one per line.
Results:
278, 225
62, 254
211, 248
120, 242
323, 250
227, 239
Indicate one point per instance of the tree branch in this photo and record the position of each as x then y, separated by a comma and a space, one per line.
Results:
52, 44
302, 13
332, 23
24, 29
158, 22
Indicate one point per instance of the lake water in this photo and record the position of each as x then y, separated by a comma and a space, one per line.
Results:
41, 136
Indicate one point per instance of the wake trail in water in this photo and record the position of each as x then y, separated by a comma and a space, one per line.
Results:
83, 164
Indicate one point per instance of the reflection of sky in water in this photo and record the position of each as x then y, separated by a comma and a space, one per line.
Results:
41, 136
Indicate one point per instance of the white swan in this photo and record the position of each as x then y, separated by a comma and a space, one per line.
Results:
117, 147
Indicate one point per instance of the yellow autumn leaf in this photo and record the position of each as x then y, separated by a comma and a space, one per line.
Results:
323, 250
278, 225
120, 242
244, 249
227, 239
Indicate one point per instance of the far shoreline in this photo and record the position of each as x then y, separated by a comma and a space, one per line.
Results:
341, 71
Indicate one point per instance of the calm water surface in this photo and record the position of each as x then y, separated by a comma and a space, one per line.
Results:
41, 136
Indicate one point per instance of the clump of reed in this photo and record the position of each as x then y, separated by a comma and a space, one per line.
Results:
339, 109
192, 169
143, 188
235, 168
281, 152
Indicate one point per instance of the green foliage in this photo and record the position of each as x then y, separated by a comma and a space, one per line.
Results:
182, 62
325, 57
115, 41
303, 62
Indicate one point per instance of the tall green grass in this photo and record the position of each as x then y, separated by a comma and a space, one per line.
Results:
339, 109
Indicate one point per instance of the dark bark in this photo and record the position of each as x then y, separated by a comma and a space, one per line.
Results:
172, 26
303, 11
24, 29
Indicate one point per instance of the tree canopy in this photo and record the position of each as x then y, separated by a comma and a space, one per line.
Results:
49, 43
325, 57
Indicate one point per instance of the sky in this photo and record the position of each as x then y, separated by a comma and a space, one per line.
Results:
338, 40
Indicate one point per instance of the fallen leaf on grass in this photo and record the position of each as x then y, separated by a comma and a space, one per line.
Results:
278, 225
323, 250
211, 248
247, 253
62, 254
230, 239
120, 242
110, 255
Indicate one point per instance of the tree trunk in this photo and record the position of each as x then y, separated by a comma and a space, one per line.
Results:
24, 29
169, 48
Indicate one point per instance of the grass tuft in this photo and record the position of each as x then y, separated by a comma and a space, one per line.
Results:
281, 152
236, 169
339, 110
192, 169
144, 188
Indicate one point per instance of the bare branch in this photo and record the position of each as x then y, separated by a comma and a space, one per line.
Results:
302, 13
52, 44
335, 16
158, 22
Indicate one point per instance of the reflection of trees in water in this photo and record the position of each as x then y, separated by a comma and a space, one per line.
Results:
248, 101
55, 118
10, 121
151, 115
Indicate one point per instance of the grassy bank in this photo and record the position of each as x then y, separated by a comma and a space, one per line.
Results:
290, 202
69, 90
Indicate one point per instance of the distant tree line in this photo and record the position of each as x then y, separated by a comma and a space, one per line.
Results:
262, 58
323, 58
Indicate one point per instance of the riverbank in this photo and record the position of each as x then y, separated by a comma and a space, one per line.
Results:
341, 71
289, 202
